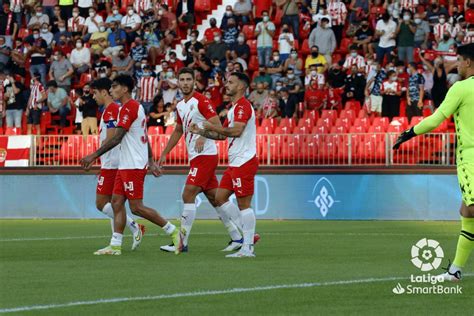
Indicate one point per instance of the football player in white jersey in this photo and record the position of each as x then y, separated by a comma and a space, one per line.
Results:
241, 130
110, 160
202, 152
135, 156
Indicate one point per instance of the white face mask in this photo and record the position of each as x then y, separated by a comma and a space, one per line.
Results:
240, 39
55, 57
417, 21
44, 30
228, 13
266, 19
406, 18
169, 74
354, 54
442, 21
75, 14
39, 14
36, 36
314, 73
130, 12
102, 28
62, 29
294, 55
160, 12
91, 14
276, 58
217, 38
115, 12
103, 75
291, 76
78, 45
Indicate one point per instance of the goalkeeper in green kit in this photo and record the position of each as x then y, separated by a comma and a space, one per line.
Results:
459, 102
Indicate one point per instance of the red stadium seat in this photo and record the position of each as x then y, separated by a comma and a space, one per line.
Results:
12, 131
283, 130
202, 5
395, 128
312, 114
381, 121
253, 63
302, 130
331, 114
349, 114
344, 47
338, 129
288, 122
169, 130
85, 78
415, 120
278, 17
402, 120
357, 129
352, 105
305, 49
249, 31
321, 130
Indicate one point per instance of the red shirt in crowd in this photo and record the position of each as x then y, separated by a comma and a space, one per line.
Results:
316, 98
209, 33
260, 6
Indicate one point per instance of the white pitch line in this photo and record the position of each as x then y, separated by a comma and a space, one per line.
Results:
218, 234
196, 294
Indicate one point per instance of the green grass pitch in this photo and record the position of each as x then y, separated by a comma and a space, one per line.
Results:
322, 268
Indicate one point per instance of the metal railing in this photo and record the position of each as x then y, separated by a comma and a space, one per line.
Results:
362, 149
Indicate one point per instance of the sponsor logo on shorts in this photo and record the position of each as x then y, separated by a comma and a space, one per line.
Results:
3, 154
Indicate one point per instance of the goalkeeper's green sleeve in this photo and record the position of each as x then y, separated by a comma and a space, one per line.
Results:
429, 123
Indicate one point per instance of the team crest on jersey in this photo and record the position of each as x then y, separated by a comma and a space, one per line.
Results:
240, 114
211, 109
3, 154
125, 118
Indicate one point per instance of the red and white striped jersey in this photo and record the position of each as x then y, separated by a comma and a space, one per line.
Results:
469, 38
73, 24
243, 148
439, 29
197, 110
141, 6
35, 95
456, 29
408, 5
338, 11
134, 145
16, 5
148, 88
391, 85
358, 60
109, 160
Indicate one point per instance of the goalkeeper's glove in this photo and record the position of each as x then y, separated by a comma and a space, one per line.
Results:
403, 137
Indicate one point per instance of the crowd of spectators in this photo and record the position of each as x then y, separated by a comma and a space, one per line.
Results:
300, 54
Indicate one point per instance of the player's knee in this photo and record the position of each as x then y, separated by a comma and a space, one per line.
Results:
136, 208
100, 205
189, 195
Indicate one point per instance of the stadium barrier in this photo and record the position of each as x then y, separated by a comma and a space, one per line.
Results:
356, 149
321, 196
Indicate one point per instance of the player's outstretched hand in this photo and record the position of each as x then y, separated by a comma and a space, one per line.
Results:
403, 137
87, 162
155, 169
199, 147
160, 162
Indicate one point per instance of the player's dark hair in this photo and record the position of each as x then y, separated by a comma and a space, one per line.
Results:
466, 51
186, 70
242, 77
102, 84
125, 81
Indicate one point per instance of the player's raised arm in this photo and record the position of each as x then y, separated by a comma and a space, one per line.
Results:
88, 160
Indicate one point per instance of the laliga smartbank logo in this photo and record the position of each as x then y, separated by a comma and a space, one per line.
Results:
427, 255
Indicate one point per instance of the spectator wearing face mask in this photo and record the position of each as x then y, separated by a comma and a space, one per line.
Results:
122, 64
75, 24
217, 49
35, 103
287, 103
117, 38
37, 54
92, 24
84, 6
80, 58
391, 92
442, 28
294, 62
89, 110
169, 86
191, 47
131, 23
353, 59
316, 96
46, 34
243, 10
315, 58
290, 15
241, 48
113, 16
415, 93
354, 86
446, 43
228, 14
230, 34
262, 76
5, 53
293, 84
62, 31
142, 6
61, 71
38, 19
406, 38
422, 32
58, 102
373, 90
434, 12
158, 112
363, 37
336, 77
385, 30
265, 31
286, 42
323, 37
258, 96
138, 52
210, 32
275, 68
